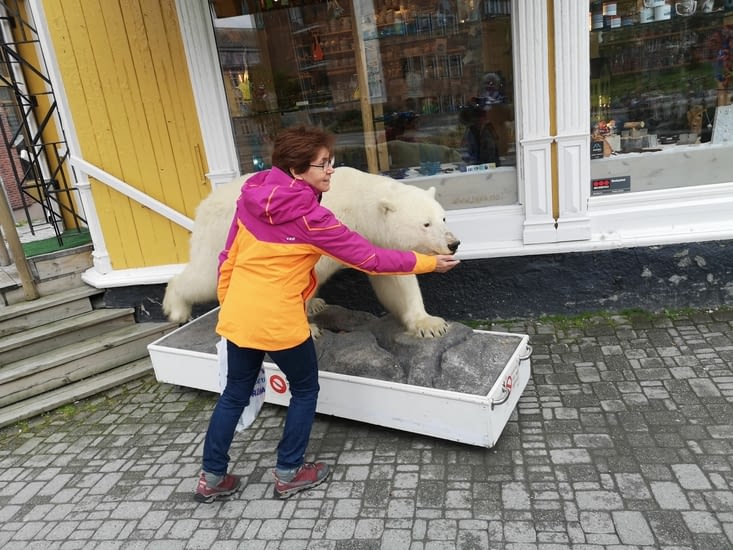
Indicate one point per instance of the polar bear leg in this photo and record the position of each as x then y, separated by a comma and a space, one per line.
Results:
324, 269
401, 296
176, 306
197, 282
191, 286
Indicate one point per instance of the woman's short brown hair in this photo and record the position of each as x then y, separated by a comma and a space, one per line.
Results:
296, 147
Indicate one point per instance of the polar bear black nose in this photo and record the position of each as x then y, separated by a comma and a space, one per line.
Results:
454, 246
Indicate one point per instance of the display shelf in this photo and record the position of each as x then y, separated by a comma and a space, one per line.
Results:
324, 59
657, 29
656, 67
342, 25
413, 29
676, 44
342, 70
339, 53
308, 29
319, 66
336, 33
661, 73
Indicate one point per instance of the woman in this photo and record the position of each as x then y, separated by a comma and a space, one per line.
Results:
266, 275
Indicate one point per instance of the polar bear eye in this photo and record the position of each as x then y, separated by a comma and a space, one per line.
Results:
426, 224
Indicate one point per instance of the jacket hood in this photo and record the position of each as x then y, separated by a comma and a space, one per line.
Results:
275, 197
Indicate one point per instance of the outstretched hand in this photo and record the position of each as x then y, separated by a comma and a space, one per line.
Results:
445, 262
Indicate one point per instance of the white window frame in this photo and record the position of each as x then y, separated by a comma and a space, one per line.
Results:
197, 32
669, 216
584, 222
483, 230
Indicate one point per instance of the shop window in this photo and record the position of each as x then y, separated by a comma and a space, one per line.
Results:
420, 91
661, 87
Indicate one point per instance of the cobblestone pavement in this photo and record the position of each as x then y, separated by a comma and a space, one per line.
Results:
622, 439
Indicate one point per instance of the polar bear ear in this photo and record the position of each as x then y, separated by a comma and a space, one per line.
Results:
431, 192
386, 206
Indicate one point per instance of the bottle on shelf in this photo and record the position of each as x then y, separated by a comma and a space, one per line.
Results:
317, 50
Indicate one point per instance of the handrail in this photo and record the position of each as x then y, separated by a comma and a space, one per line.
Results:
129, 191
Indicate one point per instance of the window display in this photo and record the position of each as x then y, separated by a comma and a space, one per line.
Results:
660, 82
415, 90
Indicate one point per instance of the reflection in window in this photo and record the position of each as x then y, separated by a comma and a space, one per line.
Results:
414, 90
660, 79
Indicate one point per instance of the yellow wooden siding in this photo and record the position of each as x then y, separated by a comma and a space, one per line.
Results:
126, 81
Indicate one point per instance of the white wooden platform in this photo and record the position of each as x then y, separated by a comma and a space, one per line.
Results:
187, 357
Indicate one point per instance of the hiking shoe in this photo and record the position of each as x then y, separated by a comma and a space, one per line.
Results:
308, 475
227, 486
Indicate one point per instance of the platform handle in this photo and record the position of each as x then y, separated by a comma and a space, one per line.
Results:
506, 392
527, 353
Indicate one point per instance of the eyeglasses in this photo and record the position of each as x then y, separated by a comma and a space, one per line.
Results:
326, 165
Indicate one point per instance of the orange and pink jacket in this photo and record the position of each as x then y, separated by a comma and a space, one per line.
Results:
266, 270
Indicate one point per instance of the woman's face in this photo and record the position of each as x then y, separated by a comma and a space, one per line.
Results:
318, 175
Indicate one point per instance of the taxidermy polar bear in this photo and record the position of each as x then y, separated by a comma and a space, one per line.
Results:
388, 213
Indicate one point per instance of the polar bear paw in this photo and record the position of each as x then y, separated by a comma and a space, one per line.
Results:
316, 305
428, 327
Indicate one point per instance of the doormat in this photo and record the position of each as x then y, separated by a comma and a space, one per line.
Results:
70, 239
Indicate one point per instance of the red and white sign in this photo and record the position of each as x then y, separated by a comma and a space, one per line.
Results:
278, 384
511, 378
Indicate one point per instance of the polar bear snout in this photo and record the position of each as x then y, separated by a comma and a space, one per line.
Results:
451, 241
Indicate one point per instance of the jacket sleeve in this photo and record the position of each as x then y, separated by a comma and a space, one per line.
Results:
233, 228
226, 265
332, 238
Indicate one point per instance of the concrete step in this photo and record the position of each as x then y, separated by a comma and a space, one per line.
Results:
61, 366
29, 408
23, 316
63, 347
52, 335
53, 273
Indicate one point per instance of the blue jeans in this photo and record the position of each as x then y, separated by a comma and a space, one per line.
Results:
300, 366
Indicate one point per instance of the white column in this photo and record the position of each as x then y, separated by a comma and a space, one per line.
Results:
194, 17
100, 256
572, 69
532, 110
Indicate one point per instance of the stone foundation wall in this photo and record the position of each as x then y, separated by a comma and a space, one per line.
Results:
691, 275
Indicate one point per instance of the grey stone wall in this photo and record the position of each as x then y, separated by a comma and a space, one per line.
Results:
655, 278
651, 278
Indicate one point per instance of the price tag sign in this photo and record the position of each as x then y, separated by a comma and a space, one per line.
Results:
608, 186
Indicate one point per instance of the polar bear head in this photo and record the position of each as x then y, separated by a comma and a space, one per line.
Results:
414, 220
390, 213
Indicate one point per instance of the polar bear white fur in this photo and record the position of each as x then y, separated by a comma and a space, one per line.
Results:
388, 213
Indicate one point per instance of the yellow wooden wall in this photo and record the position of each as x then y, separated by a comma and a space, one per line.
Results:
127, 85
